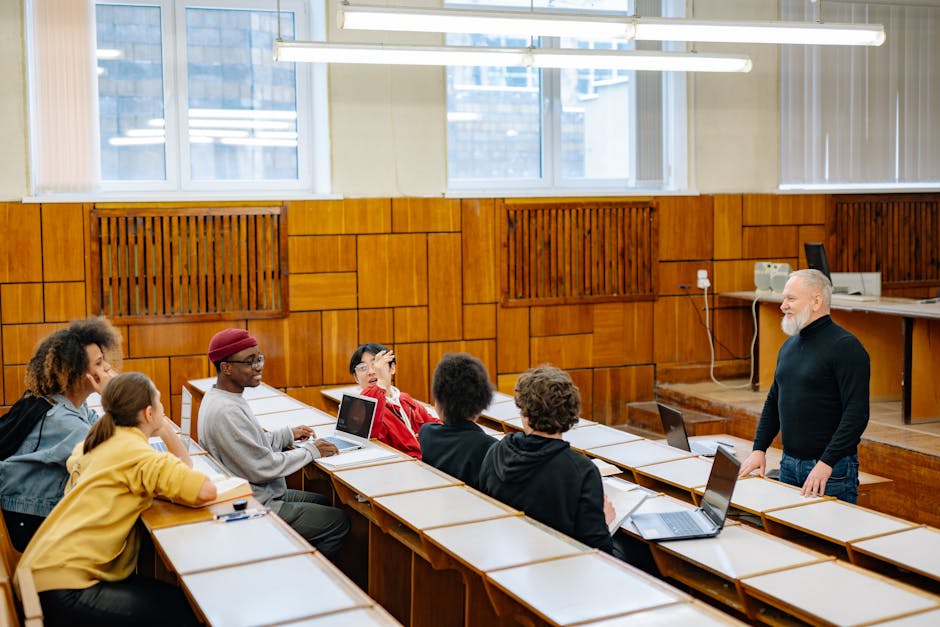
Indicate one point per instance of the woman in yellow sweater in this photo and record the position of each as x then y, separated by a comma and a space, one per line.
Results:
84, 555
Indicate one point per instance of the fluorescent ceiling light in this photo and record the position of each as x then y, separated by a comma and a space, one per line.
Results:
319, 52
604, 26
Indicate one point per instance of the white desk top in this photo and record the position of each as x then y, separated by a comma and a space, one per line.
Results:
309, 416
584, 587
361, 617
441, 506
273, 404
336, 394
369, 454
907, 307
686, 473
502, 411
595, 436
230, 596
639, 453
930, 618
691, 613
402, 476
207, 545
915, 549
837, 521
758, 494
739, 551
502, 542
835, 592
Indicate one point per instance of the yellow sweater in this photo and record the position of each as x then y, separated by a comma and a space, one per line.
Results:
91, 535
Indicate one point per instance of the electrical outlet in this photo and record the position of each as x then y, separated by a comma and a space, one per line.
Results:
703, 281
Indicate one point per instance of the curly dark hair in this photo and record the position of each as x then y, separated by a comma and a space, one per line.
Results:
461, 387
548, 398
60, 362
369, 347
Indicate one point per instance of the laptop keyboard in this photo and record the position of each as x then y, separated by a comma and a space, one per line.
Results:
681, 523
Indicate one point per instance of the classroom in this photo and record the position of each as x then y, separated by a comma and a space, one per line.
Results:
633, 228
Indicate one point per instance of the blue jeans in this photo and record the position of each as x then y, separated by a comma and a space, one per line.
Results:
842, 484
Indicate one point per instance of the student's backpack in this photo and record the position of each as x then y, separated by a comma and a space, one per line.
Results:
16, 424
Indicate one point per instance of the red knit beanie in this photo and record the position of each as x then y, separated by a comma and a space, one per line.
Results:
228, 342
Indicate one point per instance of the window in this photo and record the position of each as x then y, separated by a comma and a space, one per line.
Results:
526, 128
862, 117
186, 96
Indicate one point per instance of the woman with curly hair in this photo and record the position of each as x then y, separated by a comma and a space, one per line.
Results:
537, 472
66, 368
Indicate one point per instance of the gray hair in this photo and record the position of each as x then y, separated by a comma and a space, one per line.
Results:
816, 281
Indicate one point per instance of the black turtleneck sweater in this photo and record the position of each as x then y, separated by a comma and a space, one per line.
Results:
819, 398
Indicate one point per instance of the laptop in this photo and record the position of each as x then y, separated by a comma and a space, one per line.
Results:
677, 437
354, 422
704, 522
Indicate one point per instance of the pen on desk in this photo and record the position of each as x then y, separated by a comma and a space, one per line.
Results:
243, 515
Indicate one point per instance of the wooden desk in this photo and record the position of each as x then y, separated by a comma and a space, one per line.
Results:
435, 508
680, 474
576, 589
832, 520
833, 593
373, 616
372, 453
930, 618
272, 591
208, 545
336, 394
273, 404
640, 452
503, 411
690, 613
595, 436
916, 550
384, 479
756, 495
309, 416
901, 336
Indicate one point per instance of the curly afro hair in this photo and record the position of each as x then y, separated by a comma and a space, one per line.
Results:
549, 399
60, 362
461, 387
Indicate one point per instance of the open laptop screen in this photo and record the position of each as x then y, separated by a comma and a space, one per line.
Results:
674, 427
355, 415
717, 497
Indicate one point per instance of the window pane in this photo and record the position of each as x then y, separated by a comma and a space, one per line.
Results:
493, 117
130, 93
242, 106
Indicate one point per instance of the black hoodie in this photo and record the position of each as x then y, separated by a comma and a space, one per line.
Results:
551, 483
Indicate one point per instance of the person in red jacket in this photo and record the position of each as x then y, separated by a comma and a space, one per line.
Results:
398, 417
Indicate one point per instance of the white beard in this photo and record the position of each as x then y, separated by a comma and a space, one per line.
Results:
794, 324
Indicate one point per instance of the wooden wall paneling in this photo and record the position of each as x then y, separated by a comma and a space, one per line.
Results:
621, 334
480, 250
615, 387
312, 396
274, 343
506, 383
775, 209
21, 303
770, 340
560, 320
729, 215
376, 325
14, 383
168, 340
564, 351
303, 348
188, 367
411, 324
883, 338
445, 292
512, 339
484, 350
678, 334
479, 321
733, 328
393, 270
412, 370
584, 379
429, 215
673, 274
311, 292
925, 364
340, 338
685, 227
21, 263
63, 242
20, 340
157, 368
339, 217
323, 253
770, 243
64, 301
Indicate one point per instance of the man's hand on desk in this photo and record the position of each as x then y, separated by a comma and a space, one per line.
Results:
325, 447
757, 460
303, 432
815, 484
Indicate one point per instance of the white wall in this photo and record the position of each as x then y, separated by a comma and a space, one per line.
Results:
388, 124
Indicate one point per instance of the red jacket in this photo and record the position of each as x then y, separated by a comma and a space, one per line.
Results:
388, 426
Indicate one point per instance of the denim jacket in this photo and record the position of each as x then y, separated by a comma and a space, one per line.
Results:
32, 480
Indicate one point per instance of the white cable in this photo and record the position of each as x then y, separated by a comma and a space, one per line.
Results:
711, 345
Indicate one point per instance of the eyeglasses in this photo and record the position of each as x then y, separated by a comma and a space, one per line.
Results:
257, 362
361, 368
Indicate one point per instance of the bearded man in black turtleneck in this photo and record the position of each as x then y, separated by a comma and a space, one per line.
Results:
818, 401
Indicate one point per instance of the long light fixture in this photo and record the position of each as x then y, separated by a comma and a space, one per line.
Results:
320, 52
604, 26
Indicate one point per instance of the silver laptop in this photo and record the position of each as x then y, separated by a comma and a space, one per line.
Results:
704, 522
677, 437
354, 422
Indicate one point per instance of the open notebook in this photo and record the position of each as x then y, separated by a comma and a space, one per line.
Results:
625, 497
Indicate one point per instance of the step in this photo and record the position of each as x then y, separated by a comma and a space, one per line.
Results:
645, 416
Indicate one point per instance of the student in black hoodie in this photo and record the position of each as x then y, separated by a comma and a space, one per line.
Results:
537, 472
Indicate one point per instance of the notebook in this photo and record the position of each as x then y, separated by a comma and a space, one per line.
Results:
677, 437
354, 422
625, 498
704, 522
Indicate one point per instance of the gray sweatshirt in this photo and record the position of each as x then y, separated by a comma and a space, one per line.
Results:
229, 431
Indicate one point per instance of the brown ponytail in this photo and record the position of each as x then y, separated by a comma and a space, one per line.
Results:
123, 399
